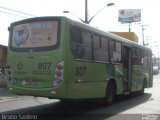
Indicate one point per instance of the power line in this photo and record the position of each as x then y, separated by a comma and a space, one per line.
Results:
12, 14
15, 11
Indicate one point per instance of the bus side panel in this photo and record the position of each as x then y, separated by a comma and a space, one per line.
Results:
119, 77
135, 77
62, 91
89, 79
143, 75
140, 73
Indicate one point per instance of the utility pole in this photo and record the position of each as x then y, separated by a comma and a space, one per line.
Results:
144, 44
129, 26
86, 11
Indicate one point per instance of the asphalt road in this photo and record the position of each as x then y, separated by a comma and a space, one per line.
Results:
135, 107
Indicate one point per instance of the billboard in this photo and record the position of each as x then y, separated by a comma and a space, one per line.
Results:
129, 15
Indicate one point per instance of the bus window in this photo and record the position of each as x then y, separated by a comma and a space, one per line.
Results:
96, 42
104, 48
104, 44
136, 56
75, 43
86, 38
100, 49
115, 52
118, 52
112, 49
96, 45
35, 35
86, 45
81, 44
75, 35
144, 58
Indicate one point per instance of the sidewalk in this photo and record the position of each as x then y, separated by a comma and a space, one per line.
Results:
3, 81
6, 96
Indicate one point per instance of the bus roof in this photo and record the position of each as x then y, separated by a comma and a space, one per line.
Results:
108, 34
87, 27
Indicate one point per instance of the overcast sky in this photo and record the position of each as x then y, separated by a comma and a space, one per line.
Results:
106, 20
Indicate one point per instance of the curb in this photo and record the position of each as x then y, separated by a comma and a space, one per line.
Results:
3, 100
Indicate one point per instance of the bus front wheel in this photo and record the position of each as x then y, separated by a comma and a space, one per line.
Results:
110, 93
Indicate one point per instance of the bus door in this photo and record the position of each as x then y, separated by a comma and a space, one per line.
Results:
127, 68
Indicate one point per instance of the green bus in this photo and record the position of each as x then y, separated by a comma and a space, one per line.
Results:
59, 58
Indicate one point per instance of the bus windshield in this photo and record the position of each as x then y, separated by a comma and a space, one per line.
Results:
35, 34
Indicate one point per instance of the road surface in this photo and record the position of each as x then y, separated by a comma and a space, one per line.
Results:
141, 107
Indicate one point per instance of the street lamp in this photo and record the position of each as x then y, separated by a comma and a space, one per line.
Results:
87, 21
74, 15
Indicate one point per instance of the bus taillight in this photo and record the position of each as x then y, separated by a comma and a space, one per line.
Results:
58, 73
58, 76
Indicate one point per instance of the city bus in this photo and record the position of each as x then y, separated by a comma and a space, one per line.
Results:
60, 58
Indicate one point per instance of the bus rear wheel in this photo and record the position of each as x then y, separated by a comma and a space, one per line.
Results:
110, 93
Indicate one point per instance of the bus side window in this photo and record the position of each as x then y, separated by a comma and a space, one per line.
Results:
78, 51
115, 52
75, 35
100, 45
144, 58
139, 58
118, 52
133, 56
125, 57
104, 47
112, 49
136, 56
86, 45
96, 46
75, 42
81, 43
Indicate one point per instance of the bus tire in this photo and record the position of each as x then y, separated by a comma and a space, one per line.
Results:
110, 93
